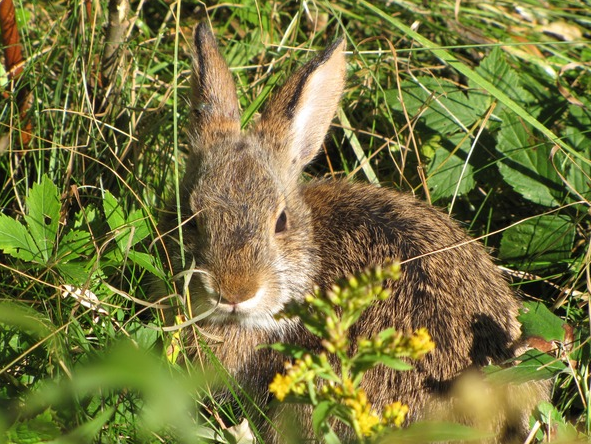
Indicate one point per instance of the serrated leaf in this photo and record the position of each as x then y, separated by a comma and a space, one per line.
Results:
526, 164
441, 105
128, 231
74, 272
497, 71
563, 431
43, 213
73, 245
548, 414
85, 217
578, 173
534, 365
16, 241
447, 168
539, 241
537, 321
41, 428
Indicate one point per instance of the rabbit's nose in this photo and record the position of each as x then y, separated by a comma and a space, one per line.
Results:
235, 298
239, 291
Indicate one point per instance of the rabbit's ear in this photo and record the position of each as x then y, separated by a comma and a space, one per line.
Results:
214, 103
297, 118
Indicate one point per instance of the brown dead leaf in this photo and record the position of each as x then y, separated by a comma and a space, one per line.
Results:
563, 90
569, 337
540, 344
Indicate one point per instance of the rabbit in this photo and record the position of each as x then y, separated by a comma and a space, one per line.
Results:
256, 238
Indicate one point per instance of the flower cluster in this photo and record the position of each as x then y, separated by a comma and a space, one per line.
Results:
395, 414
315, 379
395, 344
364, 418
297, 377
420, 343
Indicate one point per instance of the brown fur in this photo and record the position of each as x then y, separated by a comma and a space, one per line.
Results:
233, 194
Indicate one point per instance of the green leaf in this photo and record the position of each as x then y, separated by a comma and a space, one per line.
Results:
43, 214
563, 431
441, 105
432, 431
578, 173
146, 262
75, 272
291, 350
320, 417
16, 241
113, 212
448, 168
314, 326
537, 321
534, 365
495, 69
41, 428
89, 430
526, 164
73, 245
145, 335
85, 217
28, 319
139, 225
127, 231
539, 241
366, 361
23, 17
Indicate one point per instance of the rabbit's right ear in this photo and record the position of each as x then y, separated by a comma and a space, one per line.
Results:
296, 120
214, 104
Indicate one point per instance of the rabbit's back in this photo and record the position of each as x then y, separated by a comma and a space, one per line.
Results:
448, 283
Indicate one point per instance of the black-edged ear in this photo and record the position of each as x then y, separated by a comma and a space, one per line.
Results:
297, 118
214, 104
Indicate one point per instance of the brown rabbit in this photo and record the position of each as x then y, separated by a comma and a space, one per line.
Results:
257, 238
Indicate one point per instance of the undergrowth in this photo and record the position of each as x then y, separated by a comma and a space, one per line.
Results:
481, 108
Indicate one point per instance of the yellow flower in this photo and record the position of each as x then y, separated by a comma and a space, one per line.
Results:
361, 411
421, 343
281, 386
395, 413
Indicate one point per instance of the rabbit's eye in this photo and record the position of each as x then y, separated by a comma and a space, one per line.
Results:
281, 224
192, 222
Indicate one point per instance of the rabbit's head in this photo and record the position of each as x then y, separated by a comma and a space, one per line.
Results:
246, 229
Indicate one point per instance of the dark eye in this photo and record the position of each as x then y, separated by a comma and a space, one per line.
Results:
192, 222
281, 223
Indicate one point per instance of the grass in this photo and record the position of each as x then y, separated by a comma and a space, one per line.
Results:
478, 107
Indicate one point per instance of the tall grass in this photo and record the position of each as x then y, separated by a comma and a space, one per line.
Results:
478, 107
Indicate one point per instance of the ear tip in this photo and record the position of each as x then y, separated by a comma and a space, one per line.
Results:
338, 46
202, 35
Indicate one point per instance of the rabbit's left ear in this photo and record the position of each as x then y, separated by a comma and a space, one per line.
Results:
296, 119
215, 112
